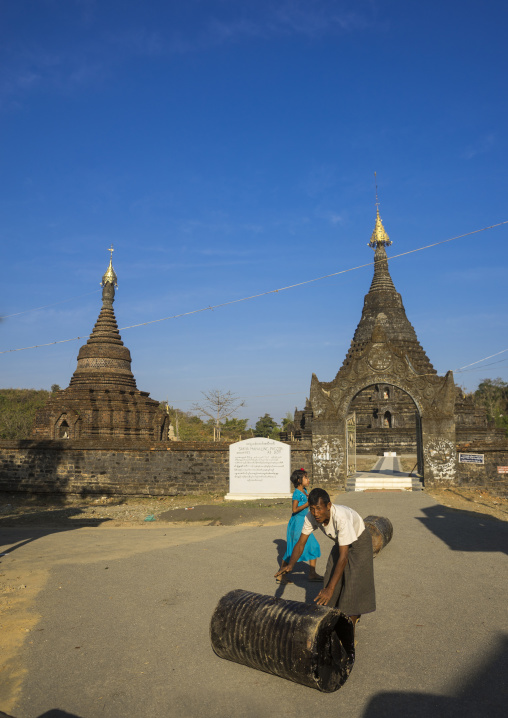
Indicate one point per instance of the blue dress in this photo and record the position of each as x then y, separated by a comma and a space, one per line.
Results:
295, 525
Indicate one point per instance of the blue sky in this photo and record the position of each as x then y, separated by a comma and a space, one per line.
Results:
227, 148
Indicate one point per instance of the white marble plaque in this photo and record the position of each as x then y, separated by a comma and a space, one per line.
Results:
259, 469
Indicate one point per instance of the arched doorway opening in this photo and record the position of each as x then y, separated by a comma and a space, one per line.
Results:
387, 422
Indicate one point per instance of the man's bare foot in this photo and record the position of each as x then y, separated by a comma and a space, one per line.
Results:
313, 576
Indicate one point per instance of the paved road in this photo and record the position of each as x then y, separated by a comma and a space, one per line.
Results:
120, 624
386, 466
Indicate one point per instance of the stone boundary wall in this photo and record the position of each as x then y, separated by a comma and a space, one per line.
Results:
122, 468
484, 475
127, 468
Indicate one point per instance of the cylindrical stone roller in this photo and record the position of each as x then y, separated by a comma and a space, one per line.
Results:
381, 531
305, 643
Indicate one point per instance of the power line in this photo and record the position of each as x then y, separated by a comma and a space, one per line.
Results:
271, 291
47, 306
309, 281
480, 360
484, 367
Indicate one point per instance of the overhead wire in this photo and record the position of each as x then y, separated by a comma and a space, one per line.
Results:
480, 360
266, 293
47, 306
481, 368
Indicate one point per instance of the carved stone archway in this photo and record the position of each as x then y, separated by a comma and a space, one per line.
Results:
381, 361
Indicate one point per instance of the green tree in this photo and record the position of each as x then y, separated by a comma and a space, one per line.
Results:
287, 420
492, 395
188, 426
267, 427
55, 387
17, 411
234, 429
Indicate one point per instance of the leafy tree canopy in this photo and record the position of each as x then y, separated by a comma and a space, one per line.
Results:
189, 427
287, 420
492, 395
267, 427
17, 411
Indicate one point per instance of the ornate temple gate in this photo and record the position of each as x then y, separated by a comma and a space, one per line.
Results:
351, 444
384, 350
380, 361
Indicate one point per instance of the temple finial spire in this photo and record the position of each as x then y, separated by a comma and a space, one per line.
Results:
109, 276
379, 236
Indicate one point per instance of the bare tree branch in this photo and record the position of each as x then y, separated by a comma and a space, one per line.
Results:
218, 406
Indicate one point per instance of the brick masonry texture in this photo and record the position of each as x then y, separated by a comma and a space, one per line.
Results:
104, 467
484, 476
86, 467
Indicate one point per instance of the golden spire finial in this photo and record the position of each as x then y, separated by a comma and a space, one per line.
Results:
110, 276
379, 235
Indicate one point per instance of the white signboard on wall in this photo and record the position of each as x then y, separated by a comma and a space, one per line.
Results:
259, 469
471, 459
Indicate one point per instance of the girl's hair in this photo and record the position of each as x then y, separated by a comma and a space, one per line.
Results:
297, 477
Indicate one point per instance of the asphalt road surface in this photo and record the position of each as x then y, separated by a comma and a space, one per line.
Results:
114, 623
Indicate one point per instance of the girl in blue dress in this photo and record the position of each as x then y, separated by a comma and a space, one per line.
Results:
312, 551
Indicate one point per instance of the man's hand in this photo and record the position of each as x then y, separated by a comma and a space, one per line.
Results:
324, 596
282, 571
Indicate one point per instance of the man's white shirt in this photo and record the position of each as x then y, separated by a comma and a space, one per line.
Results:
345, 525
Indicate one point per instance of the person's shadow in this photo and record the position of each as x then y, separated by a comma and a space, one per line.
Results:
17, 531
299, 576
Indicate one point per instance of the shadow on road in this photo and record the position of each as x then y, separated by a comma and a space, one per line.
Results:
485, 695
16, 532
466, 530
53, 713
298, 576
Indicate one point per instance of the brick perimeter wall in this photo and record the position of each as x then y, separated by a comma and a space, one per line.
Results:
484, 475
130, 469
144, 469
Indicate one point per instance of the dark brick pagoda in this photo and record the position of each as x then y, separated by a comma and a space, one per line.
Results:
102, 399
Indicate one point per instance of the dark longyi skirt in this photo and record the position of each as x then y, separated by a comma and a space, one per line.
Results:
355, 593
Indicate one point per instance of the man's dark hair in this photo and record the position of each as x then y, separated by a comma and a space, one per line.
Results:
317, 495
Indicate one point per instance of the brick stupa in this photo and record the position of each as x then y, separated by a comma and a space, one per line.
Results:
102, 399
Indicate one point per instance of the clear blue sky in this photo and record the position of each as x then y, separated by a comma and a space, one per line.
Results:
228, 147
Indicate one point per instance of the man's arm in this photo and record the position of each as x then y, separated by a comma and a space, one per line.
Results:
295, 555
326, 593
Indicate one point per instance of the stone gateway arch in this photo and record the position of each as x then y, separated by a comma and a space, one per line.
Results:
384, 350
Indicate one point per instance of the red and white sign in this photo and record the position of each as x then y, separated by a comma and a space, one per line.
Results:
502, 469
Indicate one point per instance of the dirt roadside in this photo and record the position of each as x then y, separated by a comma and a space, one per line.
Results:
60, 512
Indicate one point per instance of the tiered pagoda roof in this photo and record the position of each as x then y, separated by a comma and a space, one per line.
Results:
383, 308
104, 361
